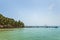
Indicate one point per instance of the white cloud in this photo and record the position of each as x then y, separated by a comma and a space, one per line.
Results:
51, 6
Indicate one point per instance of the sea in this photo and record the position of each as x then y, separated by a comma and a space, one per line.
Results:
30, 34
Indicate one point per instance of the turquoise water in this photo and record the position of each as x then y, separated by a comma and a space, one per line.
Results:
30, 34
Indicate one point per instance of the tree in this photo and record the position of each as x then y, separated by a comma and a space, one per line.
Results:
9, 21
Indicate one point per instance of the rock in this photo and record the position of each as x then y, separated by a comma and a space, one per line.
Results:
1, 26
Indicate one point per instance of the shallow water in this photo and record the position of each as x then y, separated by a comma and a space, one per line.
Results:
30, 34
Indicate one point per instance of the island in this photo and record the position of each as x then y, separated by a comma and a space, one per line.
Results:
6, 22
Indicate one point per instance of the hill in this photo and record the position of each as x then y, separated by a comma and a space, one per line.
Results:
6, 22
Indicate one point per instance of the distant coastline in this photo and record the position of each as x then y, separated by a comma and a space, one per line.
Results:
41, 26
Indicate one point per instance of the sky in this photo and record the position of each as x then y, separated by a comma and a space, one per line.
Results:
32, 12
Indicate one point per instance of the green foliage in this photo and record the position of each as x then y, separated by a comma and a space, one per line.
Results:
9, 22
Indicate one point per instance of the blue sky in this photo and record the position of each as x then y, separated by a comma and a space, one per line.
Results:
32, 12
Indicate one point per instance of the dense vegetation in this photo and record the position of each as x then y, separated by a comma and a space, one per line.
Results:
6, 22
